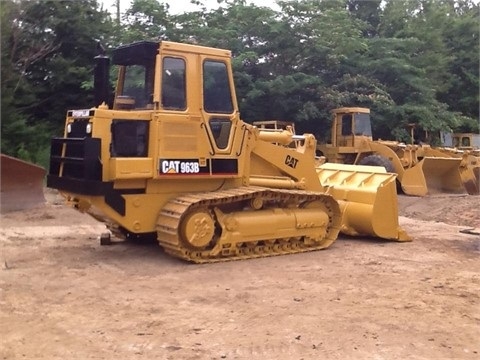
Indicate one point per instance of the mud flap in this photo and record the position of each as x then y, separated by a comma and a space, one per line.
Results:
368, 199
433, 175
21, 186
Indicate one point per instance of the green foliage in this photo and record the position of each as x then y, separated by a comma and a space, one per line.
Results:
410, 61
461, 39
47, 51
144, 20
446, 54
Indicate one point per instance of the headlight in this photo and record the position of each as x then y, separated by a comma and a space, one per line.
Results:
69, 128
88, 129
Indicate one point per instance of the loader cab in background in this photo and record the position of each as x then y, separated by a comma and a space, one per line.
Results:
460, 141
466, 141
351, 136
351, 126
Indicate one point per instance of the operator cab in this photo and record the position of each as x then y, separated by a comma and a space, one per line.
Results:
153, 76
351, 123
135, 86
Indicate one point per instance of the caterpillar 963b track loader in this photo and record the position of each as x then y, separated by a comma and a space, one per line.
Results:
171, 159
420, 170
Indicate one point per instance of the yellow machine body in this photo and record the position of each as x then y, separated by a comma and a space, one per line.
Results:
172, 160
418, 173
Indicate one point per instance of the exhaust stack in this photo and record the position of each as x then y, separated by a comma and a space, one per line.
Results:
101, 77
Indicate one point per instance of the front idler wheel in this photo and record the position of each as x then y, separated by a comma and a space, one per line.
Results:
198, 229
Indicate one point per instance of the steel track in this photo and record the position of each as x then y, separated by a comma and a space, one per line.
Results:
172, 214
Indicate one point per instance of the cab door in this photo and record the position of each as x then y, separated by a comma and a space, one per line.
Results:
344, 130
218, 104
179, 137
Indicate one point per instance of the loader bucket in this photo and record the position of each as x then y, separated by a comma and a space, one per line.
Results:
433, 175
21, 186
368, 199
470, 174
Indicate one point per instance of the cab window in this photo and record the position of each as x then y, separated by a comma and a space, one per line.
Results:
173, 84
217, 97
465, 141
362, 125
137, 86
347, 125
221, 131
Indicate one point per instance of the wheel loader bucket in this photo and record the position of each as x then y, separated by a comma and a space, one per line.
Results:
470, 173
368, 199
21, 186
433, 175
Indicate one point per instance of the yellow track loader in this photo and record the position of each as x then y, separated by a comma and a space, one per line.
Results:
170, 159
22, 184
418, 173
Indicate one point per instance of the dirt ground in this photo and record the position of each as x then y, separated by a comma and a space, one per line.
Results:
63, 296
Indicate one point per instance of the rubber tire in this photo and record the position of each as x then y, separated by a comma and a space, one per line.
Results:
378, 160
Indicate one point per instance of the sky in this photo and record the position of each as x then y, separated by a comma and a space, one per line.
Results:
179, 6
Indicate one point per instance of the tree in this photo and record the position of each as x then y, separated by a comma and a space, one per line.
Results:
47, 56
460, 36
410, 59
145, 20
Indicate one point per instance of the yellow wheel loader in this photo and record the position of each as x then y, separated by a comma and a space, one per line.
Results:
418, 174
467, 147
469, 167
21, 184
170, 159
461, 141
